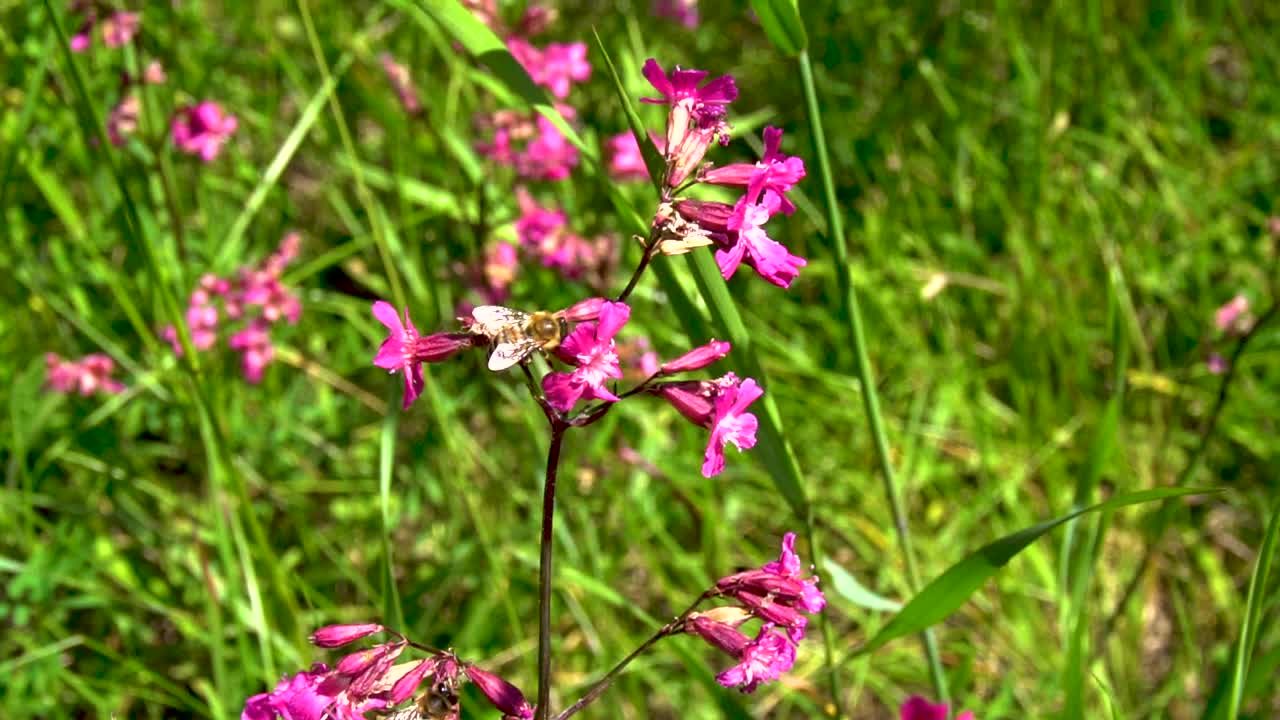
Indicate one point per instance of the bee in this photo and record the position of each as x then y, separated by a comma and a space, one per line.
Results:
439, 702
515, 334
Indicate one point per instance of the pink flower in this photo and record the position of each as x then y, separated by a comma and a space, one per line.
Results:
1216, 364
154, 73
779, 580
704, 104
401, 82
775, 171
694, 399
296, 698
82, 39
276, 300
537, 225
731, 424
625, 160
504, 696
123, 119
119, 28
256, 350
590, 347
555, 68
399, 351
917, 708
501, 264
549, 156
91, 374
751, 244
1234, 316
202, 129
684, 12
761, 660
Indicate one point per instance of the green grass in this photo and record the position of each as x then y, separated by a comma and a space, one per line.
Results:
1089, 181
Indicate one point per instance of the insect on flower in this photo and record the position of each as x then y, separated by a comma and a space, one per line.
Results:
516, 334
439, 702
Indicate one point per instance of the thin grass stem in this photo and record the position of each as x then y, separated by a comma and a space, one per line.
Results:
545, 557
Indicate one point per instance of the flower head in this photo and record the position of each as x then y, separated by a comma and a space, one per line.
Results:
918, 708
590, 347
202, 129
774, 172
761, 660
123, 119
254, 344
779, 579
731, 424
548, 156
91, 374
1233, 317
681, 88
402, 82
398, 352
684, 12
751, 244
119, 28
625, 160
504, 696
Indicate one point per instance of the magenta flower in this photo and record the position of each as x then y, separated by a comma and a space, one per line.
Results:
154, 73
625, 160
277, 301
775, 171
297, 698
202, 129
1216, 364
694, 399
401, 81
123, 119
771, 259
562, 65
399, 351
704, 105
590, 347
504, 696
91, 374
918, 708
119, 28
256, 350
779, 580
585, 310
549, 156
731, 424
684, 12
537, 226
83, 38
761, 660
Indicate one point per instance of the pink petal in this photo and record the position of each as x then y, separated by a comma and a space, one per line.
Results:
612, 317
387, 315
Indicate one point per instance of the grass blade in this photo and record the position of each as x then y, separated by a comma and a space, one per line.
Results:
1253, 613
952, 588
781, 22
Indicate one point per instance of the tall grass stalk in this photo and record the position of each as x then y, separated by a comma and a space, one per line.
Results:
866, 375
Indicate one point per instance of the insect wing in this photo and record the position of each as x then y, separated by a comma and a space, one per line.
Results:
507, 354
491, 320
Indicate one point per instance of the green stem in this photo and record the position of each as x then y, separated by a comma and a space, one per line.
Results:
544, 570
866, 375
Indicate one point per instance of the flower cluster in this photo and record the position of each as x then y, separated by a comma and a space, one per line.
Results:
371, 681
256, 296
684, 12
202, 129
695, 120
545, 237
117, 29
776, 594
527, 141
88, 375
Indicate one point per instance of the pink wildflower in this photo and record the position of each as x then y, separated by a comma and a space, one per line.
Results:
748, 242
123, 119
697, 358
92, 373
202, 129
593, 352
694, 399
625, 160
680, 88
119, 28
297, 697
761, 660
401, 81
731, 424
549, 156
82, 39
256, 350
775, 171
684, 12
1234, 316
918, 708
1216, 364
779, 580
276, 300
154, 73
398, 351
537, 225
564, 64
501, 263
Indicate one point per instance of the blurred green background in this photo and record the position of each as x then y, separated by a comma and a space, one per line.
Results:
1045, 203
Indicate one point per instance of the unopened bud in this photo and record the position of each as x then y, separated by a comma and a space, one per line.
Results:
697, 358
408, 683
584, 310
332, 636
504, 696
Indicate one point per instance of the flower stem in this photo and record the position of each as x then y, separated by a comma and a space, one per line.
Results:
650, 247
544, 570
597, 689
866, 379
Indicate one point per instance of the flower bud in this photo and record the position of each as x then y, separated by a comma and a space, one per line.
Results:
408, 683
358, 662
776, 613
691, 398
332, 636
584, 310
442, 346
709, 214
365, 683
504, 696
717, 634
697, 358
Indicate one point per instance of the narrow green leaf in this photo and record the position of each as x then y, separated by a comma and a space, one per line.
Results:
952, 588
653, 161
392, 609
1253, 613
847, 586
781, 22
